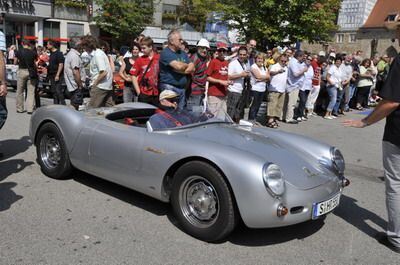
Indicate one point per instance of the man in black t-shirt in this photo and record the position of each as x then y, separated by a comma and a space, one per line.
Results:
389, 107
27, 77
55, 72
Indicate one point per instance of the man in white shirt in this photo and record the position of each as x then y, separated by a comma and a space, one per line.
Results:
295, 81
100, 74
277, 89
74, 73
346, 69
237, 72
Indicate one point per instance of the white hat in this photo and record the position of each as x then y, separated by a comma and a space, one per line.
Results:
203, 43
332, 54
166, 94
322, 53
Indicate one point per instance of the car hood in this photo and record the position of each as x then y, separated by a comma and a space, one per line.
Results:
299, 169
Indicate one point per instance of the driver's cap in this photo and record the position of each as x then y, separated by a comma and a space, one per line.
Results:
167, 94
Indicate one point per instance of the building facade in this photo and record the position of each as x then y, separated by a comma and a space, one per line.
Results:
352, 16
23, 19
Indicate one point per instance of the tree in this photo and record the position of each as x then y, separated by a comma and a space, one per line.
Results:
123, 19
195, 12
277, 20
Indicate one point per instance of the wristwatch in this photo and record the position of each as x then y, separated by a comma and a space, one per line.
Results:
364, 121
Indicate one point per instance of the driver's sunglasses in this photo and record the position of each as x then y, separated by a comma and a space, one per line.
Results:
222, 50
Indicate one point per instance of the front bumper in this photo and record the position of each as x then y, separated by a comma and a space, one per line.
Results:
299, 204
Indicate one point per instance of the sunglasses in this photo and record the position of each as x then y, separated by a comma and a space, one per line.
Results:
222, 50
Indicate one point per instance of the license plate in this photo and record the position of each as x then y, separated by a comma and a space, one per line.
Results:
325, 207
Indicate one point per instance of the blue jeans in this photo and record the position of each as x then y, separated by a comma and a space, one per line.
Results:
332, 91
178, 90
352, 92
256, 100
339, 98
3, 111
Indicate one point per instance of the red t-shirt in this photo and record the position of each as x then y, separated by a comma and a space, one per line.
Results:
219, 70
151, 75
317, 73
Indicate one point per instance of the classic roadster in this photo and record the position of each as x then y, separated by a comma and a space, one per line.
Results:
213, 172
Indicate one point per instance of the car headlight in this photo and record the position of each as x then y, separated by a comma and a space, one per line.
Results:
273, 179
337, 160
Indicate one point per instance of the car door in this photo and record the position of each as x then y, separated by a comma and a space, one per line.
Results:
115, 152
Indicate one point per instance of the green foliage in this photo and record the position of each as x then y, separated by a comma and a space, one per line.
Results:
195, 12
71, 3
123, 19
277, 20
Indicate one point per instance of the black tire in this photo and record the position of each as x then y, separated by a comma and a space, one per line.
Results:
51, 151
198, 185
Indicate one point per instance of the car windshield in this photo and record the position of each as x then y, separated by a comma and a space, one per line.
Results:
167, 120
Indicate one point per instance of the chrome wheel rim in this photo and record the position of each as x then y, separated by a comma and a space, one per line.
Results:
50, 151
199, 201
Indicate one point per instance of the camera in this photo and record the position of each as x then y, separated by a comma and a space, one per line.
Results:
144, 82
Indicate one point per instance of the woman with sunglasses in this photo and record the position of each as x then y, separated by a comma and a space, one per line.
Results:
259, 77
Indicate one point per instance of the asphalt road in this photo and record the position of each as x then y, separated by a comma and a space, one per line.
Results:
86, 220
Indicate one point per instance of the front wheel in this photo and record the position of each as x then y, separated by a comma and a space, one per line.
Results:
52, 152
202, 202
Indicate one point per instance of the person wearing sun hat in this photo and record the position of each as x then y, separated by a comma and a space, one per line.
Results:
199, 76
389, 108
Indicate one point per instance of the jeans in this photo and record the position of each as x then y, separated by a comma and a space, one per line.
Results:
391, 164
128, 94
339, 98
332, 91
56, 89
303, 95
195, 101
178, 90
351, 92
3, 111
256, 100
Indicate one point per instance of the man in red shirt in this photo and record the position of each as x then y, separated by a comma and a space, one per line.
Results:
217, 76
145, 73
316, 84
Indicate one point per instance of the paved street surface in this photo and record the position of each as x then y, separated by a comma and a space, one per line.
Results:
86, 220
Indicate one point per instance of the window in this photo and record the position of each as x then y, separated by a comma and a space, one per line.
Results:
391, 17
51, 29
352, 38
339, 38
74, 29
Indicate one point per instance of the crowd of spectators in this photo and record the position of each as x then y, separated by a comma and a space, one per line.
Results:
294, 84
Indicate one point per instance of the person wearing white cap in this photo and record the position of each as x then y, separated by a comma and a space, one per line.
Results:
389, 107
199, 76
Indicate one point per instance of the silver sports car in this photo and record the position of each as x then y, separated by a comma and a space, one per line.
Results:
213, 172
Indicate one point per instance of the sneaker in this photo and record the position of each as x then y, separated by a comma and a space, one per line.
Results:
383, 239
333, 117
299, 119
328, 117
292, 122
304, 119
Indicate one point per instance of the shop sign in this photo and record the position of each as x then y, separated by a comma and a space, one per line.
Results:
17, 6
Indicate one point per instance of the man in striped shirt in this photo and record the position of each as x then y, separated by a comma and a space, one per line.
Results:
199, 76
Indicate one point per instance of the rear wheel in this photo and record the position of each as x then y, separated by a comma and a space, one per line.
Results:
202, 202
52, 153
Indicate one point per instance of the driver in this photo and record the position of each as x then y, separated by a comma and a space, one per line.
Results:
170, 116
